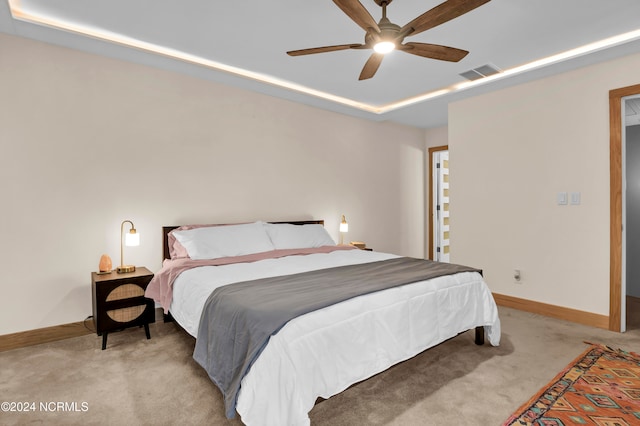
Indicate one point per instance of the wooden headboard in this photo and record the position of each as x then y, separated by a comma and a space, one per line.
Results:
167, 229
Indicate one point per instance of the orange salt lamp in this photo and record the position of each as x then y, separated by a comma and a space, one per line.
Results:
105, 263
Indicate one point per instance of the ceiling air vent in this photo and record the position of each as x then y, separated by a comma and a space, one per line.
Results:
480, 72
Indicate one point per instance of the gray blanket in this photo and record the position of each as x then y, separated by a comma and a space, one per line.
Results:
238, 319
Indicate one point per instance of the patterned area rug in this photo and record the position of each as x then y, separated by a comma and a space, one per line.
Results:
600, 387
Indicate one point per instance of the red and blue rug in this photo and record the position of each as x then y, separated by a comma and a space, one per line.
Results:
600, 387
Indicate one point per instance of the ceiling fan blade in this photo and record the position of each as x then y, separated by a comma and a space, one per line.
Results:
323, 49
440, 14
372, 65
358, 14
434, 51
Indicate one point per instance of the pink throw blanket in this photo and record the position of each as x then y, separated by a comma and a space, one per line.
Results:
160, 288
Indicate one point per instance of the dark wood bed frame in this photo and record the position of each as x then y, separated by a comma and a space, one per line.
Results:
479, 338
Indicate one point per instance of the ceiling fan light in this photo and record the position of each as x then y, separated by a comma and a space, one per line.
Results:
384, 47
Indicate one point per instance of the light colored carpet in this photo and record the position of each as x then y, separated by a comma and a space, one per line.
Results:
156, 382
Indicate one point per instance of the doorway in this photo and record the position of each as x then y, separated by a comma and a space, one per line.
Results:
617, 269
439, 204
631, 212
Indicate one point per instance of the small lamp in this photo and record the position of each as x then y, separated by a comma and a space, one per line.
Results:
130, 239
344, 227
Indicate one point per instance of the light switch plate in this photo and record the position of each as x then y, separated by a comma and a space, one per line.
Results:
575, 198
562, 198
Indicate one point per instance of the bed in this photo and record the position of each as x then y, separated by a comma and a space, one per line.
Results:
352, 314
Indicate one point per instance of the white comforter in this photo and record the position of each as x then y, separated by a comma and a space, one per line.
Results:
324, 352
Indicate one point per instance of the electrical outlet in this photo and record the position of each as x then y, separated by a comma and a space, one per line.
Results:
517, 276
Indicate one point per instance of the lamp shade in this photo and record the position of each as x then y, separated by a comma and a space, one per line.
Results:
132, 238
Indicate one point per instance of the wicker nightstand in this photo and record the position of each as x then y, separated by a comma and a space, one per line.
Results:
119, 302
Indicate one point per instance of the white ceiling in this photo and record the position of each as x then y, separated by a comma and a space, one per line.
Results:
243, 43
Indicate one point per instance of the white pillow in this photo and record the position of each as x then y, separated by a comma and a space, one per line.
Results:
288, 236
224, 241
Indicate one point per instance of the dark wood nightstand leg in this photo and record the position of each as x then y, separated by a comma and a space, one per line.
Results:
104, 340
146, 330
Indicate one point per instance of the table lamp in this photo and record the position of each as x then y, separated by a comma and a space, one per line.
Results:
130, 239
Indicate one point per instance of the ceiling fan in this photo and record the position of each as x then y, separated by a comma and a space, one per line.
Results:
386, 36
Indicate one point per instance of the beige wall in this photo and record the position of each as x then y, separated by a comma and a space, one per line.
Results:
511, 152
437, 136
89, 141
